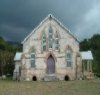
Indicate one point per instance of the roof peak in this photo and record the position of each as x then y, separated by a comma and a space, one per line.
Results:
50, 17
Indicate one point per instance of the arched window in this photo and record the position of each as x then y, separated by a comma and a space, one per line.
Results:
69, 57
44, 41
32, 53
50, 37
33, 59
57, 41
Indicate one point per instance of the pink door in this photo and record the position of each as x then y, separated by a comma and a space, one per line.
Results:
50, 65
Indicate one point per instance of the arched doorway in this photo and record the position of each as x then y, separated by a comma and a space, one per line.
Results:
34, 78
50, 65
66, 78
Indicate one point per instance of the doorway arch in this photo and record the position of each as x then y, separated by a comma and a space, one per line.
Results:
50, 65
34, 78
66, 78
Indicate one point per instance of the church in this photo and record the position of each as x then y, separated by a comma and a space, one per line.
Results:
51, 52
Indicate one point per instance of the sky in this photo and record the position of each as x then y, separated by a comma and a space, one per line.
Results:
19, 17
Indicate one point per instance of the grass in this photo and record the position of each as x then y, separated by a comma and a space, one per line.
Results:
84, 87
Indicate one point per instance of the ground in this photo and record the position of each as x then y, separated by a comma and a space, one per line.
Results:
83, 87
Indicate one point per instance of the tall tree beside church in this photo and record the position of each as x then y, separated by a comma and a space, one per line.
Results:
7, 52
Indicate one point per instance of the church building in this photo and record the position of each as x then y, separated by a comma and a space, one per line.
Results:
51, 52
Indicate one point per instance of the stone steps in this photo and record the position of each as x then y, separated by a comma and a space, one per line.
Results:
50, 78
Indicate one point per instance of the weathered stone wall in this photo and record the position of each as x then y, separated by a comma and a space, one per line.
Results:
35, 41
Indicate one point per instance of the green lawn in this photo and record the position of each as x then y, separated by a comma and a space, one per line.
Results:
84, 87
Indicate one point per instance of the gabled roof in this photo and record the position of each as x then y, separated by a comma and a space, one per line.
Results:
50, 16
18, 56
87, 55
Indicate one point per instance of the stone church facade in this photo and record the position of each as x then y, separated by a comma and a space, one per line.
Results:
50, 52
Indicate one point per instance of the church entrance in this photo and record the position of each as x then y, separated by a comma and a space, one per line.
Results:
50, 65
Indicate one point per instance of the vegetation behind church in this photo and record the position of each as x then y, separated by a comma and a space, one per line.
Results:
7, 53
8, 50
93, 44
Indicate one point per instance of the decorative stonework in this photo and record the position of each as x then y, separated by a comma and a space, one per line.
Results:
34, 41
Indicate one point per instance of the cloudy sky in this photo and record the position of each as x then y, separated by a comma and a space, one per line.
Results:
19, 17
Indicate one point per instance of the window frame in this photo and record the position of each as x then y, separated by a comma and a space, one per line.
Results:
50, 38
44, 42
69, 57
33, 59
57, 41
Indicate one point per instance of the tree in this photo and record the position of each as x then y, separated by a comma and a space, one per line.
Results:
7, 53
93, 44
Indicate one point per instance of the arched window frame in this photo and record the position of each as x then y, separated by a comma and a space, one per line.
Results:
50, 37
57, 41
69, 57
32, 58
44, 42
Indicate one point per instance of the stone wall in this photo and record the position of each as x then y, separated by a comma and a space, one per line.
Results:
35, 41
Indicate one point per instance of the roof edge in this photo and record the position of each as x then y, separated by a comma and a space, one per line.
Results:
46, 18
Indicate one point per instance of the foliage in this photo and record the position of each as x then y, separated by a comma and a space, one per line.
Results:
7, 52
93, 44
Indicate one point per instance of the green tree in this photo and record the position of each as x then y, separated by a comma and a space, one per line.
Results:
7, 53
93, 44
